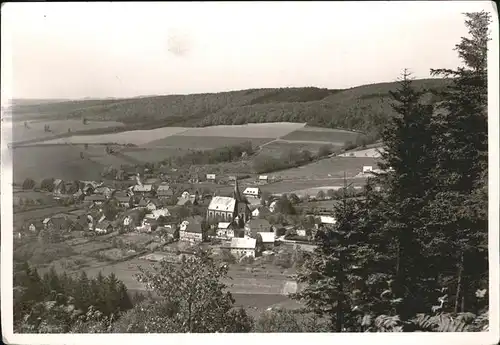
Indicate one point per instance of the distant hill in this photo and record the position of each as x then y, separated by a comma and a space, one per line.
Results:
364, 108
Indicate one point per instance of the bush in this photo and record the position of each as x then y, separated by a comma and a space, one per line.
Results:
227, 257
28, 184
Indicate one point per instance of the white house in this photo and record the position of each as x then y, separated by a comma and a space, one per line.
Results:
127, 221
252, 192
272, 206
327, 220
267, 237
151, 206
367, 169
256, 212
225, 230
301, 232
32, 227
155, 214
263, 178
243, 247
211, 177
191, 230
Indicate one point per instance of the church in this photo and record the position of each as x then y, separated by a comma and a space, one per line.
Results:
229, 209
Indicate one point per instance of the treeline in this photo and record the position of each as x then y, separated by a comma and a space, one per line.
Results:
213, 156
419, 246
356, 109
51, 295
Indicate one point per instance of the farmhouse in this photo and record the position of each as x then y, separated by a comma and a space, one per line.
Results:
256, 212
32, 227
266, 240
225, 230
164, 191
191, 230
241, 247
190, 199
263, 179
222, 208
105, 191
123, 199
88, 189
142, 189
155, 214
254, 226
367, 169
59, 187
252, 192
211, 177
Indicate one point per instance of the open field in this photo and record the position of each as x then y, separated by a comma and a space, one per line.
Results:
152, 154
371, 153
328, 168
335, 136
250, 130
310, 187
138, 137
57, 161
204, 142
277, 147
23, 217
36, 128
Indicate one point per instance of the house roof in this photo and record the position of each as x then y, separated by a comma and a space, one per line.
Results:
258, 224
263, 177
159, 213
194, 224
60, 222
267, 237
183, 201
122, 198
222, 203
327, 220
143, 188
243, 243
95, 198
164, 189
46, 220
251, 191
224, 225
102, 189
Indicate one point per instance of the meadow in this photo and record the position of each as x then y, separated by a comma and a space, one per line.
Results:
333, 167
137, 137
36, 128
335, 136
202, 142
57, 161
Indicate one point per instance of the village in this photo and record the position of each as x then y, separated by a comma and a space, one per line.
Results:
151, 219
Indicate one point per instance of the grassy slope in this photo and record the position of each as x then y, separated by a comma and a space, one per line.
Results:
362, 108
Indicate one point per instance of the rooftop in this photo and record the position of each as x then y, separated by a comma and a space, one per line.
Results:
222, 203
243, 243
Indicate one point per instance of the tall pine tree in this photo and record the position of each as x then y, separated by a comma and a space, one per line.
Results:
407, 160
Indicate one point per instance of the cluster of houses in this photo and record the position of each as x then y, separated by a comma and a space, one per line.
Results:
234, 220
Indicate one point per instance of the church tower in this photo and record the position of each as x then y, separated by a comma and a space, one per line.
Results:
241, 208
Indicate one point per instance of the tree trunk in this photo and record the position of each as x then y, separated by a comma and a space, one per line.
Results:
340, 300
459, 283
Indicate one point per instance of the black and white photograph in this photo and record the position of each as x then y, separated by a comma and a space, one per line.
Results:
302, 171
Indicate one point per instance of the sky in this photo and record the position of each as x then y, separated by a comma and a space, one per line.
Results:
99, 50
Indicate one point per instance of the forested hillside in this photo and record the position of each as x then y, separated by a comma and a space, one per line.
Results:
363, 108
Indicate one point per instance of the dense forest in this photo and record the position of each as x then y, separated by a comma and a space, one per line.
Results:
410, 257
365, 108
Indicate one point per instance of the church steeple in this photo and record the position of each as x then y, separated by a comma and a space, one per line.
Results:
236, 193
